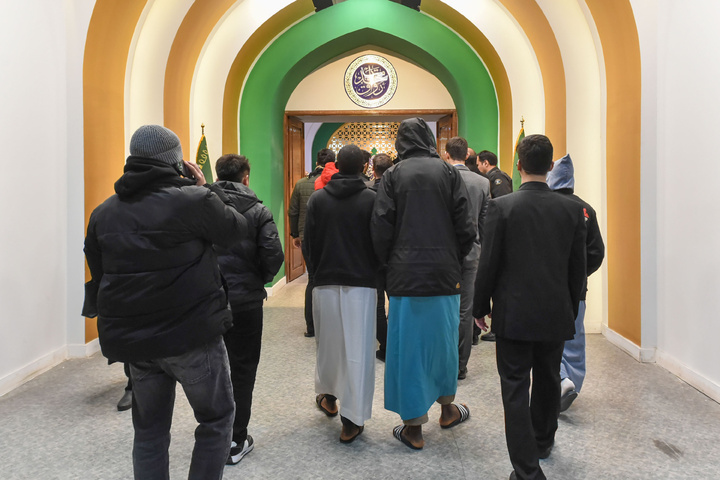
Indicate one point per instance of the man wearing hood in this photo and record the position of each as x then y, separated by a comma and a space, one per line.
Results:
247, 266
159, 298
296, 218
340, 257
572, 367
422, 230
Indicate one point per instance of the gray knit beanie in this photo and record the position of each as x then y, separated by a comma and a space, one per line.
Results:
159, 143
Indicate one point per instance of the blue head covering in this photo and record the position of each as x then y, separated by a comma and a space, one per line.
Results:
562, 174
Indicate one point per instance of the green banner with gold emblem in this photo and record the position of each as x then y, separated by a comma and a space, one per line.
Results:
203, 160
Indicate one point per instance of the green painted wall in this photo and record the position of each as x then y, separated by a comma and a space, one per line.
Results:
332, 32
322, 137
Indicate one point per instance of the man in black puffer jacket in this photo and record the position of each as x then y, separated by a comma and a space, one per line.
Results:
159, 298
247, 266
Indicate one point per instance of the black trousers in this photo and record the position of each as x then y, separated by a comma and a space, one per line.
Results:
243, 342
381, 320
128, 387
530, 420
309, 324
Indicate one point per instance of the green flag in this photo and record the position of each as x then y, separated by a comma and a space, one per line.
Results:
203, 160
516, 180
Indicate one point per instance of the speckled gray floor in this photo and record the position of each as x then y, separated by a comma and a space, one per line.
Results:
632, 421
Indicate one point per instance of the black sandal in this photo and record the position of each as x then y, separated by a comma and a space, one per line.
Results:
397, 433
319, 400
348, 423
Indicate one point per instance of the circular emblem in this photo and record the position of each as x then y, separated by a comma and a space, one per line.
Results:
370, 81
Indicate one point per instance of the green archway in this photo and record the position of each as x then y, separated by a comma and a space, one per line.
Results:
328, 34
322, 137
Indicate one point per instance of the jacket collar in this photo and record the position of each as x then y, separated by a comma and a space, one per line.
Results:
535, 186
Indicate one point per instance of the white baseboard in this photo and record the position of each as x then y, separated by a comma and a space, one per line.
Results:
668, 362
685, 373
276, 288
32, 370
83, 350
644, 355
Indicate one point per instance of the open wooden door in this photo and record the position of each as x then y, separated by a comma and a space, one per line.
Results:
446, 129
294, 171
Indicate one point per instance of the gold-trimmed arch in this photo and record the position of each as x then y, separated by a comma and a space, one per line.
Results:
245, 58
538, 30
110, 35
194, 31
617, 29
482, 46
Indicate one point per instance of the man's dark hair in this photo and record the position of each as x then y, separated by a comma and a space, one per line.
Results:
381, 162
489, 156
232, 168
535, 153
324, 156
472, 158
350, 160
366, 155
457, 148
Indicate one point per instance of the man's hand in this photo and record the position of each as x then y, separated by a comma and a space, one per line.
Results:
480, 322
196, 172
297, 242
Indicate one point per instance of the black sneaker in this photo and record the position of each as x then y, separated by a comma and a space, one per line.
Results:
125, 402
237, 453
488, 337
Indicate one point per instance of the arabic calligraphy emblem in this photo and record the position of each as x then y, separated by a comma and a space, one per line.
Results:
370, 81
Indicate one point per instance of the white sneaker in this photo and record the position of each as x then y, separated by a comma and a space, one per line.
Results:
566, 385
237, 453
567, 394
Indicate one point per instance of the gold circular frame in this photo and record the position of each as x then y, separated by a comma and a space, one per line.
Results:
363, 72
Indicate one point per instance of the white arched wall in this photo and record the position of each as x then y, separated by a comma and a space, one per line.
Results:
149, 52
517, 56
324, 89
585, 106
218, 54
584, 127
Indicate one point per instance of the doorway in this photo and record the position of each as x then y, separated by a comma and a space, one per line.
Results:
295, 149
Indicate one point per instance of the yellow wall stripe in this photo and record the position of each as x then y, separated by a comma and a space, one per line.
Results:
194, 30
244, 60
110, 34
479, 42
538, 30
621, 48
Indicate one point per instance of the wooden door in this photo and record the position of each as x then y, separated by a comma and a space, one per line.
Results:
446, 129
294, 171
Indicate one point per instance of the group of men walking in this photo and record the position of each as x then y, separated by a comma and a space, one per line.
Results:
178, 274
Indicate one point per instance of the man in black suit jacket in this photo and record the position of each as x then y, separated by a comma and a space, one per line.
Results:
532, 266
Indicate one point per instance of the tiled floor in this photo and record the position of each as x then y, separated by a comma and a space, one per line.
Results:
632, 421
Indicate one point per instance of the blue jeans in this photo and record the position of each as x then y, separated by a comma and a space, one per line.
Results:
573, 357
204, 374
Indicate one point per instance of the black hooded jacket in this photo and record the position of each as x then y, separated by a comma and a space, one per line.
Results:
421, 226
156, 287
254, 260
337, 246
